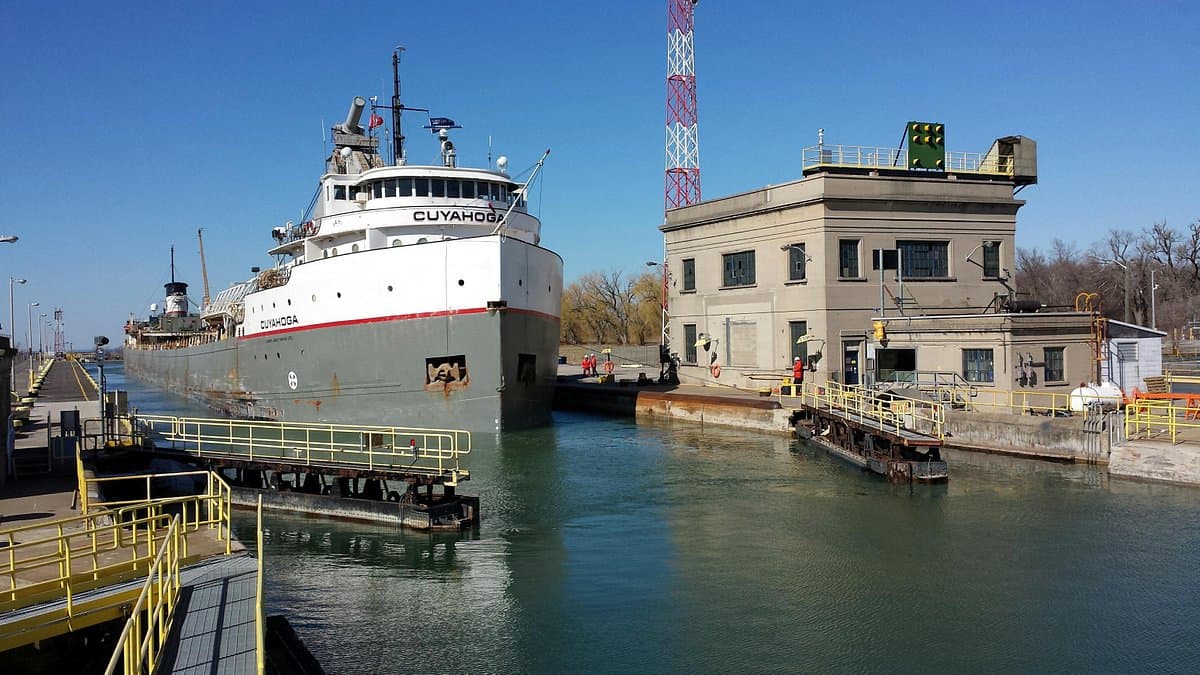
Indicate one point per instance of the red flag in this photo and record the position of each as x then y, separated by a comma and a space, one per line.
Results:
376, 121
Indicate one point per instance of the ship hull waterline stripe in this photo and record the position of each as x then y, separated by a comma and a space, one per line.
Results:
396, 317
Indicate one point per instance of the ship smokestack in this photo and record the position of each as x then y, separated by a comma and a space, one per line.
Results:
351, 125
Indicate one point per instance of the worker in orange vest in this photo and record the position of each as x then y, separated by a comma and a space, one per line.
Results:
797, 371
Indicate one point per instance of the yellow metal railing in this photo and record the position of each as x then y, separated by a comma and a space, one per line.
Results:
210, 508
429, 451
888, 411
1151, 418
260, 640
141, 642
63, 557
1014, 402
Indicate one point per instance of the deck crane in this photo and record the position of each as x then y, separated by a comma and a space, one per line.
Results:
203, 268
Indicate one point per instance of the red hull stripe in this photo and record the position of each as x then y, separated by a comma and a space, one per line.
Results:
394, 317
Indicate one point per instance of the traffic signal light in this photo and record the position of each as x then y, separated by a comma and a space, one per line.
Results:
926, 145
880, 331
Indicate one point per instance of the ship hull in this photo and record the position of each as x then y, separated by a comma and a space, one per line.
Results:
479, 370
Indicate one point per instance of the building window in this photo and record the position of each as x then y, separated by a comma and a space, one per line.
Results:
1053, 357
797, 330
689, 343
991, 259
689, 274
739, 269
848, 257
924, 259
796, 258
977, 365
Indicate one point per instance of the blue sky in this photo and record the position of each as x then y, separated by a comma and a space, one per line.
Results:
130, 125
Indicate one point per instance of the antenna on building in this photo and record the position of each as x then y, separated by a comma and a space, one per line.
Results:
683, 140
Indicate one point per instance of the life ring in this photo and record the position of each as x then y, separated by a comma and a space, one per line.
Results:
715, 369
608, 367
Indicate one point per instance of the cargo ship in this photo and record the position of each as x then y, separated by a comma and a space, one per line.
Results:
411, 295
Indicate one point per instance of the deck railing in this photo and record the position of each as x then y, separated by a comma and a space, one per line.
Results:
874, 157
435, 452
140, 645
1150, 418
889, 411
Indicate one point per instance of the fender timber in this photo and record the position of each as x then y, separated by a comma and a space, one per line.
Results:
395, 268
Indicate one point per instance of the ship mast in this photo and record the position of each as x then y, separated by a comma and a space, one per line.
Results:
397, 109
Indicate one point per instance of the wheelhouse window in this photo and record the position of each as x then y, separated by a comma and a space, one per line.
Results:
422, 187
376, 189
924, 259
452, 189
739, 269
406, 187
796, 259
468, 189
689, 275
437, 187
848, 258
689, 343
339, 192
1053, 358
389, 187
978, 365
991, 259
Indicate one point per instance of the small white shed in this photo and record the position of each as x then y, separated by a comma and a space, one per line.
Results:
1134, 353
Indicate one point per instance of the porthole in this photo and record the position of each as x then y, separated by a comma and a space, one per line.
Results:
397, 242
422, 240
354, 248
460, 282
324, 254
335, 250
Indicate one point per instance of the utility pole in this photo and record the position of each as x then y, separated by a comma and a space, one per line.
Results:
683, 138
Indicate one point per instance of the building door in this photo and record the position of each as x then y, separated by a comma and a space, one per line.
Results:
1127, 366
850, 362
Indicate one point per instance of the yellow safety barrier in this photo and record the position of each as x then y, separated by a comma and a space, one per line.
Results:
896, 413
1014, 402
430, 451
141, 642
260, 640
1153, 418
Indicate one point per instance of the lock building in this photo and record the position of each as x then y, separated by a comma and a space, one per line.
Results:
879, 264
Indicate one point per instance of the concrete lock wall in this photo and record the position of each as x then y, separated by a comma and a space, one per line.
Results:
1063, 438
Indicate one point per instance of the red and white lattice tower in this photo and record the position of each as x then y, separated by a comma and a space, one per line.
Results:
683, 140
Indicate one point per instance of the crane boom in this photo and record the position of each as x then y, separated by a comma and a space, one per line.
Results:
203, 267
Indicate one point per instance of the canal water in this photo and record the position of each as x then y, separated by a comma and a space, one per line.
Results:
610, 546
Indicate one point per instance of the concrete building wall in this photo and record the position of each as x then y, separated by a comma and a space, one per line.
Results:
820, 212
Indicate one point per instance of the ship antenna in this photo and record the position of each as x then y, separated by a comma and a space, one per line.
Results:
397, 108
172, 264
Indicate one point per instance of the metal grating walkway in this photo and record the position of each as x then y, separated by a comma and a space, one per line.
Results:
213, 630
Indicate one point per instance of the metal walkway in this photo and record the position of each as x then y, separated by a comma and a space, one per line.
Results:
428, 456
214, 628
892, 435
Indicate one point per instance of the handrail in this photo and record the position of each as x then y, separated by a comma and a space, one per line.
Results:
78, 554
1010, 401
1145, 418
430, 451
889, 411
875, 157
140, 645
260, 640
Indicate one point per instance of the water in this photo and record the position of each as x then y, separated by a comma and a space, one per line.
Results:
608, 546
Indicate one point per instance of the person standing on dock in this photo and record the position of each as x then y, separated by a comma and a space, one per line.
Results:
797, 371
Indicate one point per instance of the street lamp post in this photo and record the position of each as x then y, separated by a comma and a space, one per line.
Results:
29, 337
12, 331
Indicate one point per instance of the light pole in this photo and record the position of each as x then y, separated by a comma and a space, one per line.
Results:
1124, 267
12, 331
29, 337
42, 335
1153, 309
